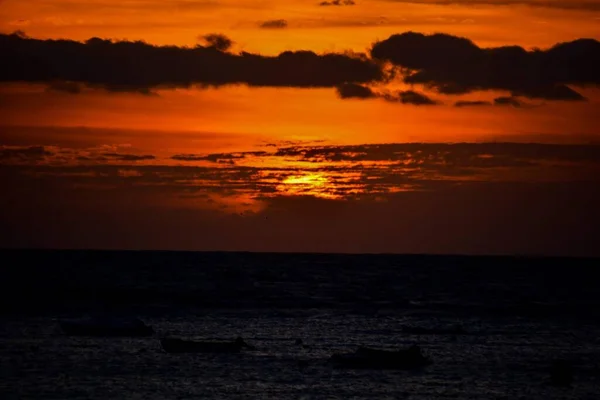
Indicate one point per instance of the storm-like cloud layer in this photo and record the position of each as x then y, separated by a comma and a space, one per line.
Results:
448, 64
138, 65
455, 65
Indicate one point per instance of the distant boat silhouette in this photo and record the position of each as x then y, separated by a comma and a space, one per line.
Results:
106, 327
174, 345
366, 358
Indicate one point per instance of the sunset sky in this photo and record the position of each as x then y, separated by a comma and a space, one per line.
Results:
401, 126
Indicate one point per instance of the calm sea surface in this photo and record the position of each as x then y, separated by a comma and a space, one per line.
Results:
520, 315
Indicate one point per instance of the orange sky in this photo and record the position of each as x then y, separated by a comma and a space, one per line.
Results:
93, 129
256, 115
268, 112
309, 25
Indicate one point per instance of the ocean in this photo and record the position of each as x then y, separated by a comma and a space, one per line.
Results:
519, 315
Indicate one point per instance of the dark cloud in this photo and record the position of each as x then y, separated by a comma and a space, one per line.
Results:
217, 41
500, 151
274, 24
445, 63
128, 157
353, 90
445, 159
65, 87
23, 153
472, 103
408, 97
556, 92
337, 3
507, 101
127, 89
416, 98
189, 157
441, 158
77, 88
21, 34
218, 157
378, 165
455, 65
141, 67
289, 143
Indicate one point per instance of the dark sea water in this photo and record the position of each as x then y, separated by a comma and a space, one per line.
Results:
521, 314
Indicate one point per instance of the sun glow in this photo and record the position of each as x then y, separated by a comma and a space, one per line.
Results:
308, 184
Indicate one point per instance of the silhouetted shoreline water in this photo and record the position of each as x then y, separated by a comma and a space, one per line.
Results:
516, 316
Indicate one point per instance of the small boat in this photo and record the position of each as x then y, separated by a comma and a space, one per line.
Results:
174, 345
367, 358
107, 328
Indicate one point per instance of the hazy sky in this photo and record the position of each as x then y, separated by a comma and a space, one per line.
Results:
411, 126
